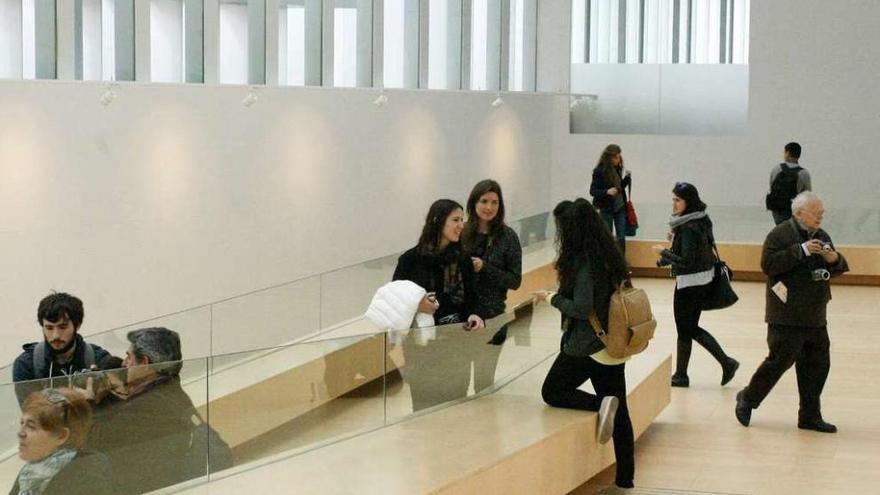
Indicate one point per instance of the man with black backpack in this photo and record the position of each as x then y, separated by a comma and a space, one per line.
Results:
62, 352
787, 180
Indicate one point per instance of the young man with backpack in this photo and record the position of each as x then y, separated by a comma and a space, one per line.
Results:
787, 180
62, 352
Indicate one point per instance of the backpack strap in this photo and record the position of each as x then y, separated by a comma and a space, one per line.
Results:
40, 359
89, 356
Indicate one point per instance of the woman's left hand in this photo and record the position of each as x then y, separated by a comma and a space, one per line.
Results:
474, 322
478, 263
658, 248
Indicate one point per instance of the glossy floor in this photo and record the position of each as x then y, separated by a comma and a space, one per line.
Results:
697, 445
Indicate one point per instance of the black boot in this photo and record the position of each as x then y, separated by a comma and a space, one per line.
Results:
682, 359
728, 365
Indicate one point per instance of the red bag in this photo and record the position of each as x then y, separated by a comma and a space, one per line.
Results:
632, 220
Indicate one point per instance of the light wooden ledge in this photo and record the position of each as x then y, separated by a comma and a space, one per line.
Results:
507, 442
745, 261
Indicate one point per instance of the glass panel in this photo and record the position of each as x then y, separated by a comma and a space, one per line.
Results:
445, 364
297, 397
617, 98
194, 327
145, 424
346, 293
267, 318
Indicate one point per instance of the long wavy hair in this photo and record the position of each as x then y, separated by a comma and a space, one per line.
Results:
581, 236
432, 232
496, 226
604, 164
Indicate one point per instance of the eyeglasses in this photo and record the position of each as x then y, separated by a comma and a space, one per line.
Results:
679, 185
57, 398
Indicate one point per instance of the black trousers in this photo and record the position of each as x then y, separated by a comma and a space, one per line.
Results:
687, 304
561, 390
808, 349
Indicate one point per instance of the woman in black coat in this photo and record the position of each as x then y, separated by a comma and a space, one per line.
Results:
438, 370
495, 252
608, 189
693, 264
590, 267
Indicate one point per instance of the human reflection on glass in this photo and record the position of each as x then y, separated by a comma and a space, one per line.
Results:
51, 440
146, 423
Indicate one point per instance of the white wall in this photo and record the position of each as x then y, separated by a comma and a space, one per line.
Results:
175, 196
812, 69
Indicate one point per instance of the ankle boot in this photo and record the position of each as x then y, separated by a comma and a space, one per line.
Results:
728, 370
680, 380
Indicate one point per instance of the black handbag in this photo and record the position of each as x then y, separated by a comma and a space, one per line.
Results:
721, 294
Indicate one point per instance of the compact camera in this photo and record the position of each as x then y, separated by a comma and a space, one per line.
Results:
826, 247
821, 274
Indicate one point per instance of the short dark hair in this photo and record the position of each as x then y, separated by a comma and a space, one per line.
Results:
158, 345
58, 306
793, 149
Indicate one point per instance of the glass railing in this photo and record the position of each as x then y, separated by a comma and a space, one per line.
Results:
240, 410
290, 312
750, 224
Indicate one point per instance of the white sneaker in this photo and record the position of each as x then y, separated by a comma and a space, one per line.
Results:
607, 410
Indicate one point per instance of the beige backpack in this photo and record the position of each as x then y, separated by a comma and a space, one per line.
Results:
630, 322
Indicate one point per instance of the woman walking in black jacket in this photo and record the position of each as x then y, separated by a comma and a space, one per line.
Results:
590, 267
693, 261
608, 189
496, 255
436, 370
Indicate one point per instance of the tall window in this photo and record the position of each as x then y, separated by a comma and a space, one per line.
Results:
345, 52
233, 42
660, 31
400, 52
479, 45
167, 41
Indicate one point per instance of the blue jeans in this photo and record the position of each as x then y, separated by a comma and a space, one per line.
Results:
616, 225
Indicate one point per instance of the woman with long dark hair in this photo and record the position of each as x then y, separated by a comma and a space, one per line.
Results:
496, 255
693, 264
435, 371
608, 189
590, 267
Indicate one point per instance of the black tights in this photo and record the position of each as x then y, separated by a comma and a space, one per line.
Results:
561, 390
687, 304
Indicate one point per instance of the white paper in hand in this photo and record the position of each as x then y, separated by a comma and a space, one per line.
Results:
781, 291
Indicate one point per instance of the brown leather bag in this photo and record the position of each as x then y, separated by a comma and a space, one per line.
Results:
631, 323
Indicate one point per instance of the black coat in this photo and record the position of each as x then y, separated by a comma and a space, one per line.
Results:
591, 291
147, 437
87, 474
600, 185
23, 368
783, 260
502, 271
427, 271
691, 250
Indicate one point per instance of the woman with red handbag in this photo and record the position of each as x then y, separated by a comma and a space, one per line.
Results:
608, 189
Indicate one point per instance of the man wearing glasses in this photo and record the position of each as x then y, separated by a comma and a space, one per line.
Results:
799, 260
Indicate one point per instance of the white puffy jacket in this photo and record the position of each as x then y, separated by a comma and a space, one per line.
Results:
395, 306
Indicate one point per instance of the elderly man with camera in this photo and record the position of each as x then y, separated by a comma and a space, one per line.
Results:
799, 259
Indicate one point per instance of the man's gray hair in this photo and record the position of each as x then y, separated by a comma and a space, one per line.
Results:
802, 200
159, 345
